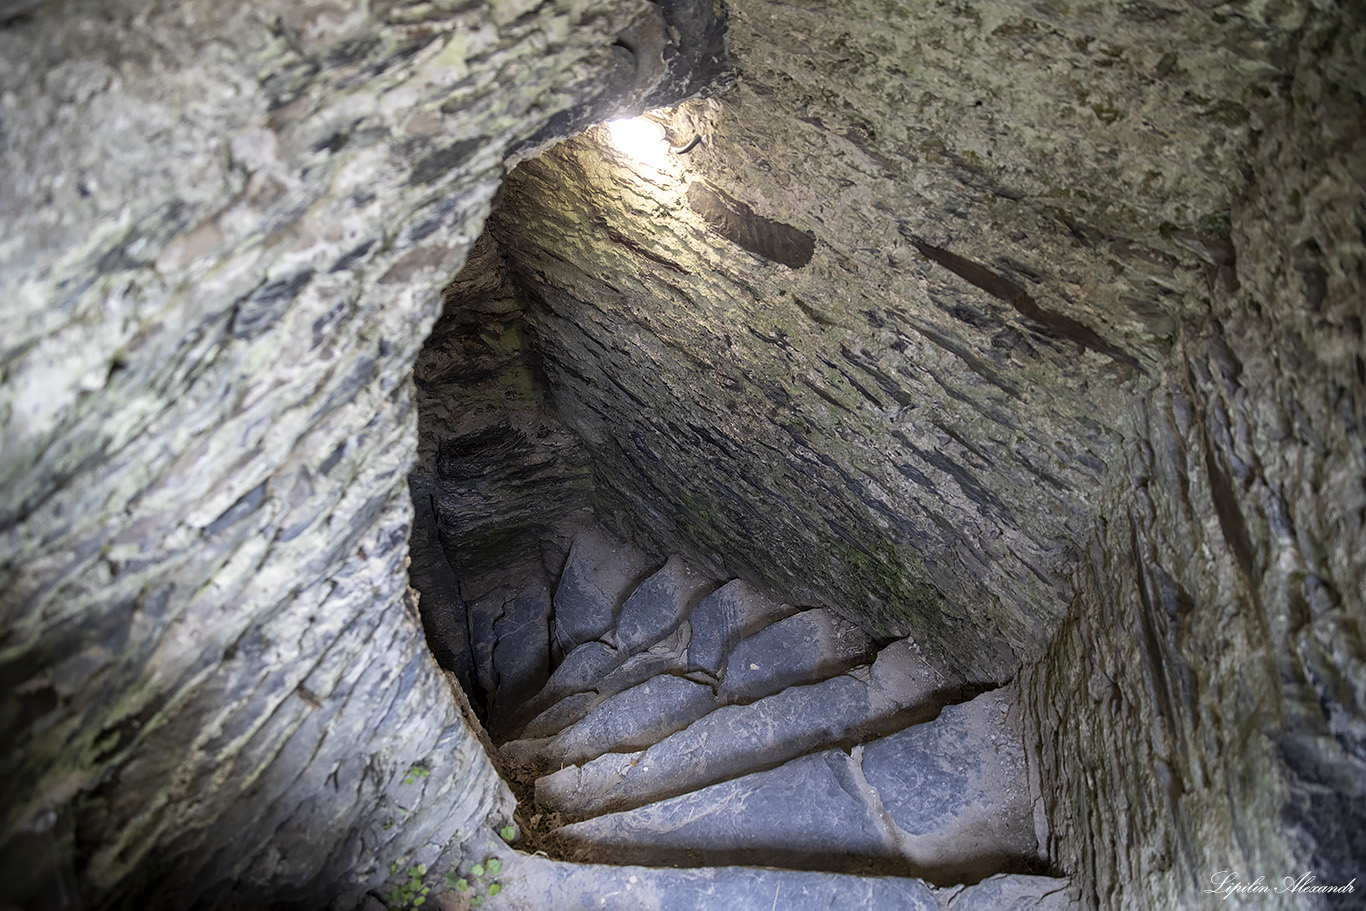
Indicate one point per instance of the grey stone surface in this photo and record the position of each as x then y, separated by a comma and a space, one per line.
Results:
735, 740
658, 606
666, 656
945, 800
225, 228
521, 655
495, 467
630, 720
1074, 371
718, 889
1073, 374
598, 577
536, 883
1013, 892
580, 670
802, 648
809, 814
957, 787
723, 618
533, 882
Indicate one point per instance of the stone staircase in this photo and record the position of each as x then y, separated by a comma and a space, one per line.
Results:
692, 744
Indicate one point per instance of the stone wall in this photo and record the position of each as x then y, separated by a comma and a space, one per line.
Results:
496, 472
1036, 335
1033, 333
225, 230
1203, 708
871, 342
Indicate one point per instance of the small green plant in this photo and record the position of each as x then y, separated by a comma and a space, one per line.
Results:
508, 833
416, 774
408, 891
478, 889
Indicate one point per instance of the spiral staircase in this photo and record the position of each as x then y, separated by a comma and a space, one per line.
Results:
683, 742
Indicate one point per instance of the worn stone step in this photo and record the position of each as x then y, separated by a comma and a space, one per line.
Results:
946, 800
533, 882
658, 606
588, 676
599, 574
803, 648
538, 884
630, 720
866, 702
733, 612
668, 656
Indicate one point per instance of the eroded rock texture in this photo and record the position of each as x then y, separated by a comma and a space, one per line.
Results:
1206, 697
1071, 371
1012, 213
1034, 333
225, 228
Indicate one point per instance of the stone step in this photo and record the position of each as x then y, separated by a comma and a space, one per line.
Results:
658, 606
804, 648
594, 671
946, 801
536, 883
631, 720
650, 637
866, 702
599, 573
521, 652
668, 656
733, 612
533, 882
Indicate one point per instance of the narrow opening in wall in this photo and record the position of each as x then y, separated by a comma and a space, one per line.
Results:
629, 690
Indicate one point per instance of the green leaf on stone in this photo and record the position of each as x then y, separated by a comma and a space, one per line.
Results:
478, 870
494, 865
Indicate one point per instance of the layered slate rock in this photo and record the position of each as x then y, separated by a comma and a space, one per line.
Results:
734, 740
226, 227
943, 800
802, 648
601, 572
731, 613
801, 752
611, 710
658, 606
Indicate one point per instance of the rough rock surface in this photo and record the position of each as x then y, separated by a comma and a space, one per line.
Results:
1220, 609
534, 883
1035, 331
223, 231
1073, 374
1013, 211
851, 707
938, 801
